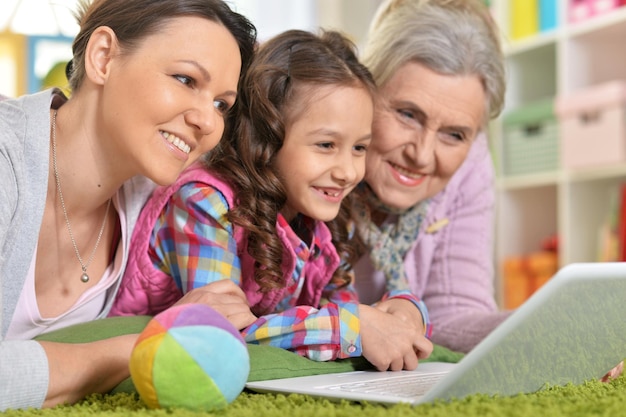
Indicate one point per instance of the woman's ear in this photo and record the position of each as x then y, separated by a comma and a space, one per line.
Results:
101, 49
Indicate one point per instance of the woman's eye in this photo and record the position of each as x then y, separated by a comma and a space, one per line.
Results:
405, 113
456, 136
452, 137
184, 79
221, 106
360, 148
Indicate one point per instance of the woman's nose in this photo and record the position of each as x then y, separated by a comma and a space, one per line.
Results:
202, 116
422, 149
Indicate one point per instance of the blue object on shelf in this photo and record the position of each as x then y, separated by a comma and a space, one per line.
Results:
547, 15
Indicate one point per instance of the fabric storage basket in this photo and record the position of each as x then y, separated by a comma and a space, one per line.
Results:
603, 6
531, 140
578, 10
592, 127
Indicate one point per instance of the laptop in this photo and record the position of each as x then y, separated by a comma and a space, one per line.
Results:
573, 329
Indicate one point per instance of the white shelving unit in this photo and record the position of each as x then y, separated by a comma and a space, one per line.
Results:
570, 203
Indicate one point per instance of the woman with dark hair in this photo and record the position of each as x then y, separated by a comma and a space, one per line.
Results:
153, 83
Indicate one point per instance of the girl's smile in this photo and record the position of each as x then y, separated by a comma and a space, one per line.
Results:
323, 155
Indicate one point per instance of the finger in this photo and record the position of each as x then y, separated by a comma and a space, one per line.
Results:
239, 319
397, 364
242, 320
231, 309
410, 361
211, 299
423, 347
380, 364
225, 286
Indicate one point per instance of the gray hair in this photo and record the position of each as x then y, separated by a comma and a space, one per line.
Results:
450, 37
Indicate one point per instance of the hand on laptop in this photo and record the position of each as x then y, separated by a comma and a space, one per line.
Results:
391, 341
227, 298
402, 309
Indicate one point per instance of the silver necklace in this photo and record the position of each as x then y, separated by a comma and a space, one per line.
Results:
84, 277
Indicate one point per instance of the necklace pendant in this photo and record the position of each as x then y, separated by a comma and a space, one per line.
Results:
84, 277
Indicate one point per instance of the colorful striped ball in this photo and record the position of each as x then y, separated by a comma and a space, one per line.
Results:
189, 356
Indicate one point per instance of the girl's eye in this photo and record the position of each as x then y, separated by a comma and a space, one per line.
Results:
221, 106
325, 145
184, 79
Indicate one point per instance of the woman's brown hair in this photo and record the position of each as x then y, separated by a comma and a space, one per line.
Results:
134, 20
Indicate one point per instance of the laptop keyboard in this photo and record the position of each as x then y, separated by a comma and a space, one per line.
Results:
405, 385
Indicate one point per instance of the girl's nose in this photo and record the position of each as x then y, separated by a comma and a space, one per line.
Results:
348, 169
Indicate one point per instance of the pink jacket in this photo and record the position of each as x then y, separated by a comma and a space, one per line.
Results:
147, 290
451, 269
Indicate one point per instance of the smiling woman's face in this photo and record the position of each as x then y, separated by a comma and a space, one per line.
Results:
179, 93
423, 128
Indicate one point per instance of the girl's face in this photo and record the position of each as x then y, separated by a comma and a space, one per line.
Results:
323, 155
164, 103
423, 130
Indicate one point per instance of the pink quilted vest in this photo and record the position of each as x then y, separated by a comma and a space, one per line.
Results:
147, 290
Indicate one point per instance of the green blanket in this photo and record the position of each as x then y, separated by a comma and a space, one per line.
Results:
590, 399
266, 362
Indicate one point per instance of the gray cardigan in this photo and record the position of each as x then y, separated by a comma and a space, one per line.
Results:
24, 164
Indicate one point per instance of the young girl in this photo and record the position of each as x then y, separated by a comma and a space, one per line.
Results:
264, 211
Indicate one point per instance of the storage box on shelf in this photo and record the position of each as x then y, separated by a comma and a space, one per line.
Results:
603, 6
530, 139
578, 10
548, 15
592, 125
524, 18
523, 275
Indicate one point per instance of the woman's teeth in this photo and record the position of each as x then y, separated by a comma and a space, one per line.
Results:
406, 172
176, 141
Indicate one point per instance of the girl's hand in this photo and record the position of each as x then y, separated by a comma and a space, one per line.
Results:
402, 309
226, 298
392, 342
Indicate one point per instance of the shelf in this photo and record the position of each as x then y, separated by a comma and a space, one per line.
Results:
609, 24
558, 177
530, 43
573, 204
595, 174
529, 180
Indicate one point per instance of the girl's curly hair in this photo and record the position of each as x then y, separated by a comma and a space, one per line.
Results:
279, 83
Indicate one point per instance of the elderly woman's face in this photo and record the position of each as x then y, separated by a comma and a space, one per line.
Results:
423, 128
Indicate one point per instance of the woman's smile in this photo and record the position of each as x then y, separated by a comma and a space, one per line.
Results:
176, 141
405, 176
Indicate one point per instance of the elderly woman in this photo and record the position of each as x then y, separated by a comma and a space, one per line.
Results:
426, 216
